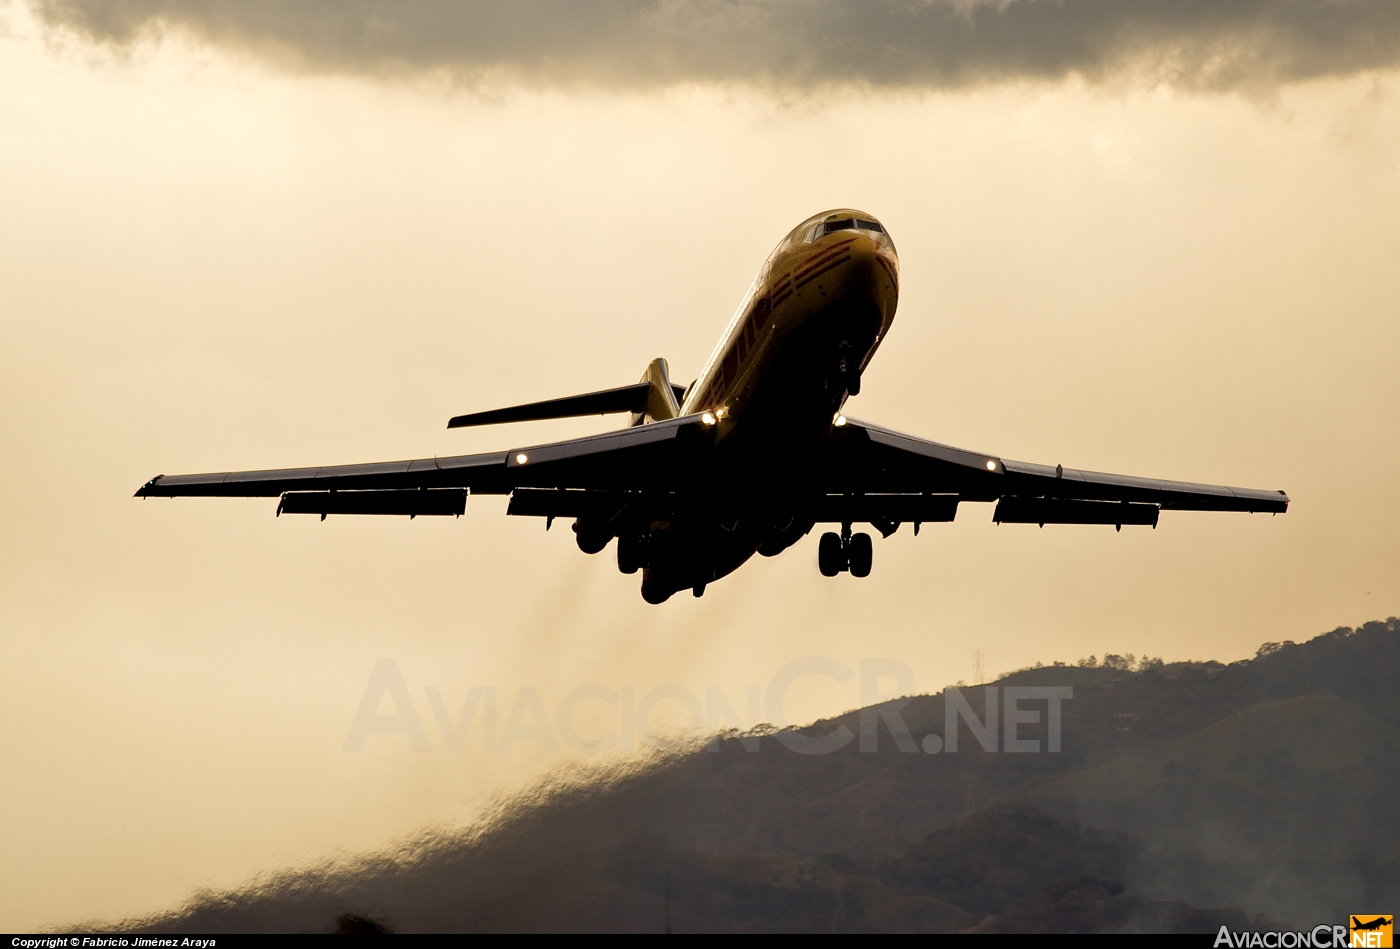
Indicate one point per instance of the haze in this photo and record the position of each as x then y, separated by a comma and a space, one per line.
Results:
224, 245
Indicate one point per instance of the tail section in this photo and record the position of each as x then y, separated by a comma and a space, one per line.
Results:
662, 398
653, 399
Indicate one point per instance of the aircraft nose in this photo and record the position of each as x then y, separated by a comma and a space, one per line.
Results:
873, 265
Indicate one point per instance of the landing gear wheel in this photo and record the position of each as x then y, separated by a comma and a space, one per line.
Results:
629, 553
591, 541
861, 555
831, 557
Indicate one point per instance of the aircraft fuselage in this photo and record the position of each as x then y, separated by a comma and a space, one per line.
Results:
791, 356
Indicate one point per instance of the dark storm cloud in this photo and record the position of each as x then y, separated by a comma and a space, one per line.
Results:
793, 43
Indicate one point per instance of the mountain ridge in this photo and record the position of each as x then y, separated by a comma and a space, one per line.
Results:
1266, 788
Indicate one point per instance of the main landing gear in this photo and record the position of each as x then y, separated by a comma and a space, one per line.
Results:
844, 551
631, 552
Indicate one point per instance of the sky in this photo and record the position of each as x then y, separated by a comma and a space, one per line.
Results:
1144, 237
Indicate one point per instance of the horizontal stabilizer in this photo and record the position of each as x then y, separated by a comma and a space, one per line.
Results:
435, 501
631, 398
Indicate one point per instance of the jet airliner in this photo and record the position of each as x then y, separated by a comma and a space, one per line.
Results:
750, 456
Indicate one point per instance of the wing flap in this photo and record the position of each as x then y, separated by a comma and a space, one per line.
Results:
440, 502
1042, 511
885, 508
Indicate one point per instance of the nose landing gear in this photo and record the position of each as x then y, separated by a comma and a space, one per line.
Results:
844, 372
844, 551
846, 369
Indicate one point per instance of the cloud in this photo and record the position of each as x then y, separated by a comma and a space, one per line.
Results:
931, 44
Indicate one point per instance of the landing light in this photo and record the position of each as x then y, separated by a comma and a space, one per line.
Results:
708, 418
521, 458
991, 465
721, 413
840, 420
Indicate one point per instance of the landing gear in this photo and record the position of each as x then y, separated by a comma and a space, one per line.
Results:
846, 369
631, 554
836, 553
831, 557
843, 373
590, 539
861, 553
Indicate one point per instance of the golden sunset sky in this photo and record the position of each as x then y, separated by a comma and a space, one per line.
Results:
1144, 237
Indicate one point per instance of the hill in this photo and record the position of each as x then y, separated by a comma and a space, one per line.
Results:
1185, 795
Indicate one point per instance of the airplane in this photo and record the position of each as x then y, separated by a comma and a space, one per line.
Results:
750, 456
1380, 922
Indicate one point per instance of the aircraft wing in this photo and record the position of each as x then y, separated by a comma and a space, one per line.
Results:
872, 474
642, 458
867, 460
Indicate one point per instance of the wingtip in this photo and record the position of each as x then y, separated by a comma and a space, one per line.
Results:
145, 489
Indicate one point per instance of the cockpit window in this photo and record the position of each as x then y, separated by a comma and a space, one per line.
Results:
847, 224
814, 229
